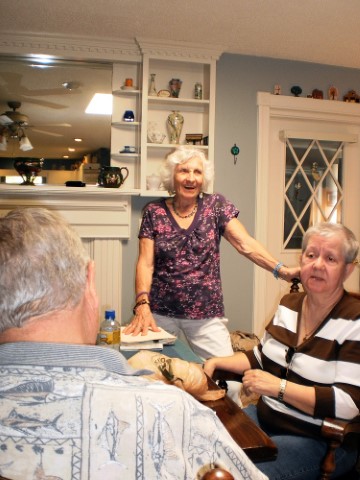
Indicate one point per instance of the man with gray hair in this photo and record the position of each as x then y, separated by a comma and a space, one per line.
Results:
73, 410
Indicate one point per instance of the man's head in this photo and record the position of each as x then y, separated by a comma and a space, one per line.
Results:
44, 268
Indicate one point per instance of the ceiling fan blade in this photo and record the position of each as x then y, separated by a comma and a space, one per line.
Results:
49, 125
5, 120
52, 134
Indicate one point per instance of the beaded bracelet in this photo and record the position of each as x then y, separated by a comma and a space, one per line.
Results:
142, 302
139, 295
275, 272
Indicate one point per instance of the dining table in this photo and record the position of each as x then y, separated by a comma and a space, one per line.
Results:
246, 433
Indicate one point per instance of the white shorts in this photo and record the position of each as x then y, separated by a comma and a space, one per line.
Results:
207, 338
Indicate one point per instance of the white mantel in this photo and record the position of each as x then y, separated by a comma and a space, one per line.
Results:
95, 212
100, 215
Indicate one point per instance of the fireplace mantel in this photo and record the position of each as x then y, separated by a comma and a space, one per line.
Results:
94, 212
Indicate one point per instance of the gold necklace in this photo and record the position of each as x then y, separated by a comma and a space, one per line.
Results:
184, 216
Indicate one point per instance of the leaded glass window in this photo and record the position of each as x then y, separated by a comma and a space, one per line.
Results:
313, 186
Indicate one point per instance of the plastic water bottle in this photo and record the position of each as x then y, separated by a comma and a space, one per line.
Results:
109, 334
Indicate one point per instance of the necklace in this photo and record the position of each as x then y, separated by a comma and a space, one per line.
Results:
184, 216
305, 314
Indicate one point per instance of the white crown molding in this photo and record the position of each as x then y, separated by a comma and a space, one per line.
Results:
76, 47
86, 48
163, 48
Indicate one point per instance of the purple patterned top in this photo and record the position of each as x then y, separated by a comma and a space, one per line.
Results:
186, 281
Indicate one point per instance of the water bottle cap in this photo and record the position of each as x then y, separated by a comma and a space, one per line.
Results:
110, 315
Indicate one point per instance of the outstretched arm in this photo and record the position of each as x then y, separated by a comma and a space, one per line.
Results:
237, 235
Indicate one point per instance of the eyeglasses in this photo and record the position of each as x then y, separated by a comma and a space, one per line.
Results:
289, 354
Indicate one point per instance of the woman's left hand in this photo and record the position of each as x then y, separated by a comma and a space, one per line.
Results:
260, 382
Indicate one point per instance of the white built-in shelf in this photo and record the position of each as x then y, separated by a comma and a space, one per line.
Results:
119, 156
125, 124
119, 93
172, 145
172, 101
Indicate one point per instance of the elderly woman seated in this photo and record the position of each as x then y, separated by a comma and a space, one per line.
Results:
306, 366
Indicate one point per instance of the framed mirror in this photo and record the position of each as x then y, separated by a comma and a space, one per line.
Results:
52, 98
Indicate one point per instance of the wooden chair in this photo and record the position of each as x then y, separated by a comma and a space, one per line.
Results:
334, 431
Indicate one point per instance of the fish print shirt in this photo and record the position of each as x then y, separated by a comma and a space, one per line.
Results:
76, 412
186, 280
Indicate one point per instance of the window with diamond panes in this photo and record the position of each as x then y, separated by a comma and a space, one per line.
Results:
313, 186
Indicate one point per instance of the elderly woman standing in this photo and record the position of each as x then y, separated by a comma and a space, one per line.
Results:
307, 366
178, 284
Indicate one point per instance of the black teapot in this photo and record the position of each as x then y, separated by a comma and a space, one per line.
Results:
112, 177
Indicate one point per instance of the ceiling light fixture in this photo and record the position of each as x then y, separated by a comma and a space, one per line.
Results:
12, 126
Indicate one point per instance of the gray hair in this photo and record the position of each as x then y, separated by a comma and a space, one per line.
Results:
350, 245
43, 265
182, 155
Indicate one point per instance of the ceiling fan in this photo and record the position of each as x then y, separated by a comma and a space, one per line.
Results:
14, 121
13, 124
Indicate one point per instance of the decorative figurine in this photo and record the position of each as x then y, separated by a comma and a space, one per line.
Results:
352, 97
152, 88
317, 94
296, 90
333, 93
277, 89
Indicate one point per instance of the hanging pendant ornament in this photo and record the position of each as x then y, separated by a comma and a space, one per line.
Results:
235, 150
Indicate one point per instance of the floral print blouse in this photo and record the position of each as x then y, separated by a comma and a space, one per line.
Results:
186, 280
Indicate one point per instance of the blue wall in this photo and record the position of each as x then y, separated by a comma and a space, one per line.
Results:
239, 78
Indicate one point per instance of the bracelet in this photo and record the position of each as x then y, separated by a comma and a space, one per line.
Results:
139, 295
275, 272
282, 390
142, 302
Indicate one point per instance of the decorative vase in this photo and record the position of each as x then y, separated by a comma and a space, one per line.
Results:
175, 86
152, 88
112, 177
175, 122
28, 168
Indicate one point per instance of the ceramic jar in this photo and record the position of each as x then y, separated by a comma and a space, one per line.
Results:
112, 177
153, 181
175, 122
175, 86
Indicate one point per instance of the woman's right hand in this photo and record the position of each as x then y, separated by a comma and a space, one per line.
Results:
141, 322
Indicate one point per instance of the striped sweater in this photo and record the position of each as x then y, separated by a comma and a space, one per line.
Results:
329, 360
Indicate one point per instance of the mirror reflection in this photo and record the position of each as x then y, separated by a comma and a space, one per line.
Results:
42, 114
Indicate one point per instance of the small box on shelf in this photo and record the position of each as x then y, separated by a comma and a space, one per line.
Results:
194, 138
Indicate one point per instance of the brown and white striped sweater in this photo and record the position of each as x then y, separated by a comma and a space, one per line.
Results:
329, 360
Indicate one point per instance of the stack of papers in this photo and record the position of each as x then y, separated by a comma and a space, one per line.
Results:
150, 341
